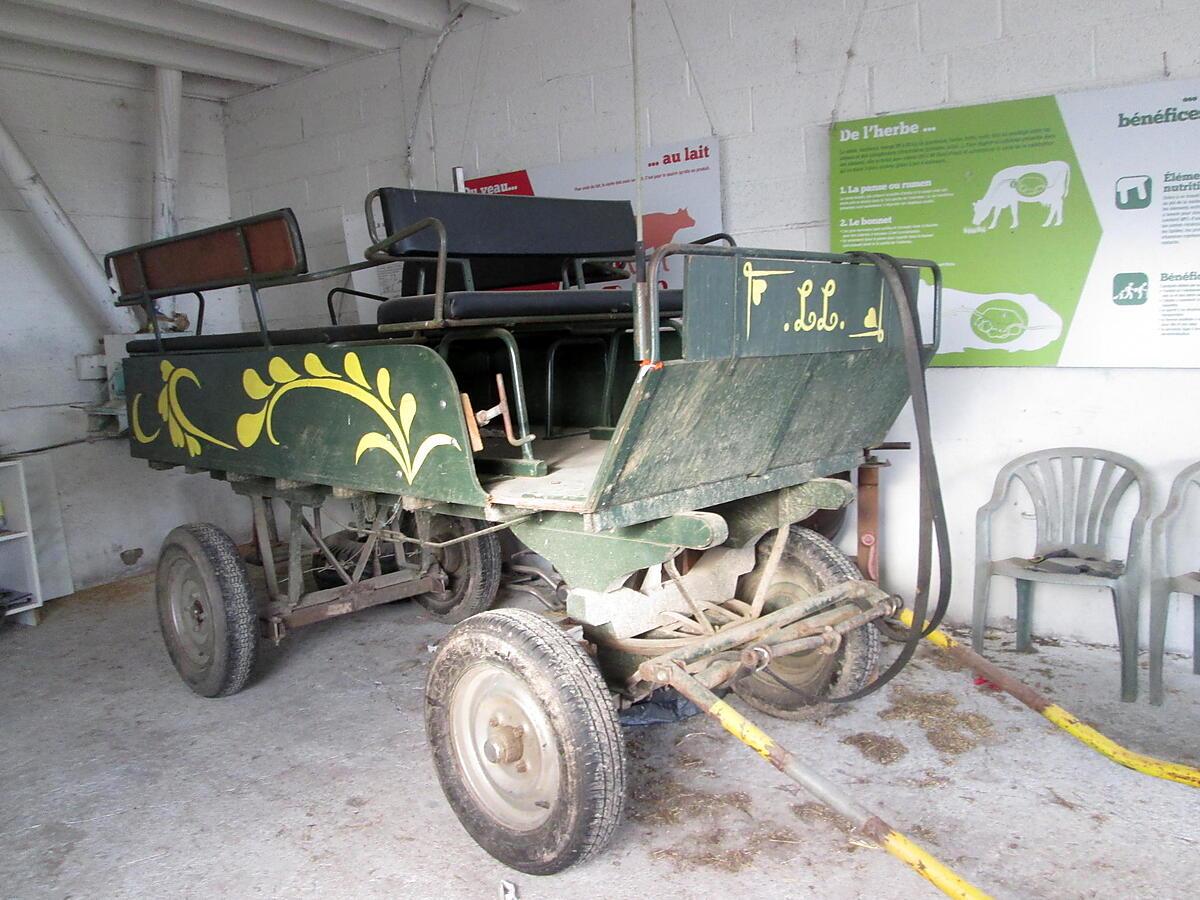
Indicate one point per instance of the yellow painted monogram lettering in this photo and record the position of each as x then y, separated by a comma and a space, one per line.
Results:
810, 319
756, 286
873, 323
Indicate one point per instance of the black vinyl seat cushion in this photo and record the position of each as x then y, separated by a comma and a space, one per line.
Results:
522, 304
330, 334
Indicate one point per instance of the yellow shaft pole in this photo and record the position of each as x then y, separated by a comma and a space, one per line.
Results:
1139, 762
832, 795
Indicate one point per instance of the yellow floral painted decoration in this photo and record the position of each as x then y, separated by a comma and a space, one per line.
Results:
397, 417
182, 431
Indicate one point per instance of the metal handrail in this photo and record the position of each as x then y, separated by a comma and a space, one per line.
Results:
349, 292
377, 253
646, 338
514, 360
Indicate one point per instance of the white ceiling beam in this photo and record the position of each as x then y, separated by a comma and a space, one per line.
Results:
43, 27
421, 16
198, 26
313, 19
500, 7
22, 56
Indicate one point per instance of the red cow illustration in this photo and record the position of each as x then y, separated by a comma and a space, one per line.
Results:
661, 228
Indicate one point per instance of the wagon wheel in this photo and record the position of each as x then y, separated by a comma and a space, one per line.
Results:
206, 610
525, 740
472, 570
810, 564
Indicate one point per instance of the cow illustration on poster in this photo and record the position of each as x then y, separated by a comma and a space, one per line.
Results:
681, 192
1043, 183
660, 228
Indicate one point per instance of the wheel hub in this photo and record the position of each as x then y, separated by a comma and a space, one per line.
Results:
191, 617
504, 744
506, 748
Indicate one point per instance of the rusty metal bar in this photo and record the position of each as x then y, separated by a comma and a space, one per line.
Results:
369, 547
340, 601
315, 534
295, 571
735, 635
398, 537
868, 520
265, 549
760, 594
697, 609
806, 642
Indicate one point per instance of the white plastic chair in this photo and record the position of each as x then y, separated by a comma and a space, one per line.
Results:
1163, 584
1074, 508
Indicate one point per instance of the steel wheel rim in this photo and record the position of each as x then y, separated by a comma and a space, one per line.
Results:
809, 671
487, 707
191, 611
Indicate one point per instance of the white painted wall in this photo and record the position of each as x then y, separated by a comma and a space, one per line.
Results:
766, 77
89, 137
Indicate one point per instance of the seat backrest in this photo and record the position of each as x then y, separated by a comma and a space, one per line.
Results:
1165, 520
508, 240
257, 248
1075, 493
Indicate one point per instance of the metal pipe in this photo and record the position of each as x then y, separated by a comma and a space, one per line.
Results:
830, 635
62, 235
168, 93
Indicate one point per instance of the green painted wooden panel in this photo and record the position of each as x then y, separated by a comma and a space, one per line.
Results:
753, 305
379, 417
712, 421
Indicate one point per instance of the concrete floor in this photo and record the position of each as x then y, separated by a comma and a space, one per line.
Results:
116, 781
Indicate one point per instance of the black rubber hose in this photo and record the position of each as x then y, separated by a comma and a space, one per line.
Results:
932, 512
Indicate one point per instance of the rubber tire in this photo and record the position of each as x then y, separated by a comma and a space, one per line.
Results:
581, 712
477, 592
812, 557
235, 613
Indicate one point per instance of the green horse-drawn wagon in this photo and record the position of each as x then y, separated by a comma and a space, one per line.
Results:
641, 459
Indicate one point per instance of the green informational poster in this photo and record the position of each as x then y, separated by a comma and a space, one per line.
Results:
1068, 227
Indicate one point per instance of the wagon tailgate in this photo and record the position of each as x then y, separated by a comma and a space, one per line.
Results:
756, 405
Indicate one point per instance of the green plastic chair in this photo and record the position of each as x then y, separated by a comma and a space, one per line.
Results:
1074, 507
1163, 584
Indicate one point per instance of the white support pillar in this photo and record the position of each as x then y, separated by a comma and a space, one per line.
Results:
168, 93
62, 235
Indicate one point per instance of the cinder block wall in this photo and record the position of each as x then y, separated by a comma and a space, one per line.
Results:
88, 135
765, 78
318, 145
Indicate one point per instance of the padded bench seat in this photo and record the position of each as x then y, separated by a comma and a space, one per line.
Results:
328, 335
503, 304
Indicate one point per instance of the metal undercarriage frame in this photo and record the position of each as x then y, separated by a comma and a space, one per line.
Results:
288, 605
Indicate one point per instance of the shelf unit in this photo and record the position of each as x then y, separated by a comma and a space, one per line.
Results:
18, 558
